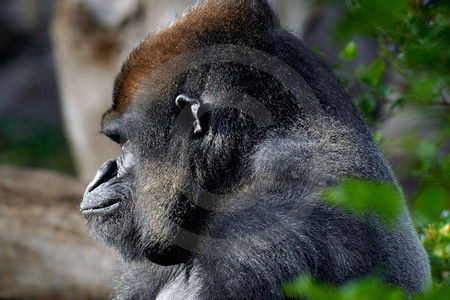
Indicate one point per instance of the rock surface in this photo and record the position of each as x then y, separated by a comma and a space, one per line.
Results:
45, 249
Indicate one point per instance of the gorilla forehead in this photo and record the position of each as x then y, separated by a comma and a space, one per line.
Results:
240, 22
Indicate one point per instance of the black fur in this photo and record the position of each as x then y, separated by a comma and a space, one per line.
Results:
233, 210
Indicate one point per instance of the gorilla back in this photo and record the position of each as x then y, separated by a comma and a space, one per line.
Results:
230, 128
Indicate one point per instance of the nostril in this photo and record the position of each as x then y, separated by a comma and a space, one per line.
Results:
106, 172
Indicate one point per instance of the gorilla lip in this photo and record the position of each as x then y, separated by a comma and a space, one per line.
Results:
104, 207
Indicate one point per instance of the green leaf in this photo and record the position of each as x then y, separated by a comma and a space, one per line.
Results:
437, 293
427, 89
371, 289
367, 288
362, 196
306, 286
370, 17
367, 104
373, 74
349, 52
431, 201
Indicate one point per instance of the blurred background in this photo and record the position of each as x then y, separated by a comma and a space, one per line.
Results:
58, 60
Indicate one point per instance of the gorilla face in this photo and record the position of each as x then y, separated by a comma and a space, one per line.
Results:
135, 203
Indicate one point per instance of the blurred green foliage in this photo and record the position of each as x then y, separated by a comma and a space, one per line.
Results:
412, 70
366, 288
436, 238
413, 46
361, 196
34, 144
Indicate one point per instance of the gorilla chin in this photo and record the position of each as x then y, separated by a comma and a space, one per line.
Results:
230, 128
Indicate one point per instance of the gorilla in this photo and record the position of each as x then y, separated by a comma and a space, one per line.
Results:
230, 128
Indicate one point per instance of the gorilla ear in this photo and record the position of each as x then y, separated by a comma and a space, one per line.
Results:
183, 100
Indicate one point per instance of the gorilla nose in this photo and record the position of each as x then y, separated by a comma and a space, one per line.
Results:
106, 172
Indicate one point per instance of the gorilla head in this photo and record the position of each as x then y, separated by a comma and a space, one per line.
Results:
229, 127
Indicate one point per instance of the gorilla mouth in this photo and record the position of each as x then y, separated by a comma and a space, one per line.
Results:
98, 208
95, 200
